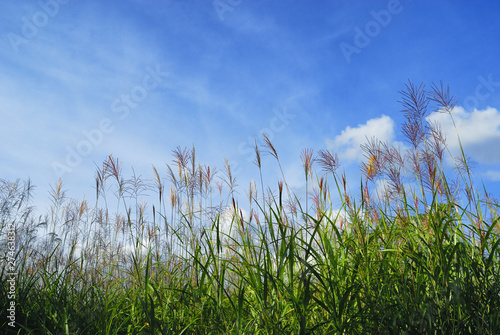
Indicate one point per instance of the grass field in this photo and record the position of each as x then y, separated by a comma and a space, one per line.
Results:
413, 248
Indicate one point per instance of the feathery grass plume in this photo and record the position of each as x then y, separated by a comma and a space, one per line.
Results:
250, 193
160, 187
271, 150
135, 186
220, 186
201, 179
415, 103
372, 150
329, 161
444, 100
112, 168
99, 183
316, 198
307, 157
193, 160
230, 179
259, 165
437, 143
57, 195
370, 169
172, 177
392, 168
464, 165
257, 155
181, 157
430, 171
209, 175
173, 197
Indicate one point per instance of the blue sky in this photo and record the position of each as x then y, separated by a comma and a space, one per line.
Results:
136, 79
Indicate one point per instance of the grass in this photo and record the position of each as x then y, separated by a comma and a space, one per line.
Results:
414, 250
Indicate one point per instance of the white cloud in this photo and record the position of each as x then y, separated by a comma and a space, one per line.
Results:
339, 217
229, 229
479, 132
348, 143
492, 175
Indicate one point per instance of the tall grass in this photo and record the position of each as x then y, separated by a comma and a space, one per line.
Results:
414, 250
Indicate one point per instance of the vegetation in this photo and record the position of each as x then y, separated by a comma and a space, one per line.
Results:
414, 250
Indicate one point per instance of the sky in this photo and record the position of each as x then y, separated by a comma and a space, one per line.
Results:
81, 80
